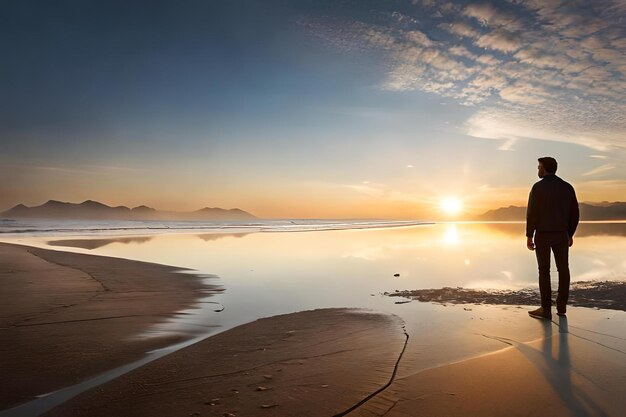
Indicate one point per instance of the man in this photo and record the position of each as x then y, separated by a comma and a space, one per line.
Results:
552, 217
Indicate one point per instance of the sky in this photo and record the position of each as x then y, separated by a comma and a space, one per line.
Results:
310, 109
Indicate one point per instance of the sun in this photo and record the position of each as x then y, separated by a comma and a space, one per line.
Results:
451, 206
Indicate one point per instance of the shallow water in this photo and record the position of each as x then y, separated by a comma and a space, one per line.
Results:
269, 273
264, 273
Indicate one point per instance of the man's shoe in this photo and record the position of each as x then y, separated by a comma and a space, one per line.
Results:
541, 313
561, 310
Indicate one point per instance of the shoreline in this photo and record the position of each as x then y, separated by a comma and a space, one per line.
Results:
314, 362
309, 363
65, 317
336, 362
324, 225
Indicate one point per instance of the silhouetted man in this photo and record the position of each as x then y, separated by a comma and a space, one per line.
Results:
552, 216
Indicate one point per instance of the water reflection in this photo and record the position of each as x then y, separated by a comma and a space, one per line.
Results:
273, 273
584, 229
451, 236
91, 244
491, 256
215, 236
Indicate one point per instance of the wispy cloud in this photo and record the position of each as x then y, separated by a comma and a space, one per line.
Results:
488, 15
600, 170
501, 40
532, 69
461, 29
75, 170
601, 190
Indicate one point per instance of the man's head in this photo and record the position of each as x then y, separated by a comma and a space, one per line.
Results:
547, 165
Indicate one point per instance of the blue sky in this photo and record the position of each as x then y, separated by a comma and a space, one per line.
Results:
309, 108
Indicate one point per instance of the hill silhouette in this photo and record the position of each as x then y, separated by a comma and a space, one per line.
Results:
95, 210
588, 211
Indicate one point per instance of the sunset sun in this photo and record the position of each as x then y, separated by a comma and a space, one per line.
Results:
451, 206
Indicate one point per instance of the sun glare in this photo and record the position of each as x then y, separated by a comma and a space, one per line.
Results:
451, 206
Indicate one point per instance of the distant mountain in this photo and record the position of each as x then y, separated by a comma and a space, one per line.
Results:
588, 211
95, 210
219, 214
504, 214
143, 209
603, 211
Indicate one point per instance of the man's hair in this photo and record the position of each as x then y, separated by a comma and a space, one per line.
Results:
549, 164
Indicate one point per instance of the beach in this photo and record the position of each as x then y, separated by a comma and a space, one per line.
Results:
66, 317
255, 346
340, 362
313, 208
318, 362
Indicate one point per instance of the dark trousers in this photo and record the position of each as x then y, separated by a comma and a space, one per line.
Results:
559, 243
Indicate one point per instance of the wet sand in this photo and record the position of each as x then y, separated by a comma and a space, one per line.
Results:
326, 362
310, 363
559, 375
65, 317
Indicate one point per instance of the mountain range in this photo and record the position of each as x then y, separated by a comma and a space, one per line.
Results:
95, 210
588, 211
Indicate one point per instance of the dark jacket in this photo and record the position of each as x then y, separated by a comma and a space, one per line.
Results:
552, 207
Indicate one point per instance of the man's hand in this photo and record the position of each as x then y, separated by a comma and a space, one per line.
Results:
570, 242
531, 245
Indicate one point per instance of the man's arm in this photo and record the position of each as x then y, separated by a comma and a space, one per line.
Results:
531, 218
574, 216
531, 213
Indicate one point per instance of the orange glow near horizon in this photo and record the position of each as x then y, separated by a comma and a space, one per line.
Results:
283, 198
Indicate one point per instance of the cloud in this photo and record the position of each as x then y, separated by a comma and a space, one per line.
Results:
461, 29
599, 127
367, 189
381, 191
488, 15
530, 69
601, 190
523, 93
507, 145
541, 56
77, 170
458, 50
599, 170
500, 39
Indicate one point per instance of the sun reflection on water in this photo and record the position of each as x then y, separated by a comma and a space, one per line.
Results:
451, 235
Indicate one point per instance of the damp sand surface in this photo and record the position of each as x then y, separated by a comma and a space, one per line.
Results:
65, 317
334, 362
